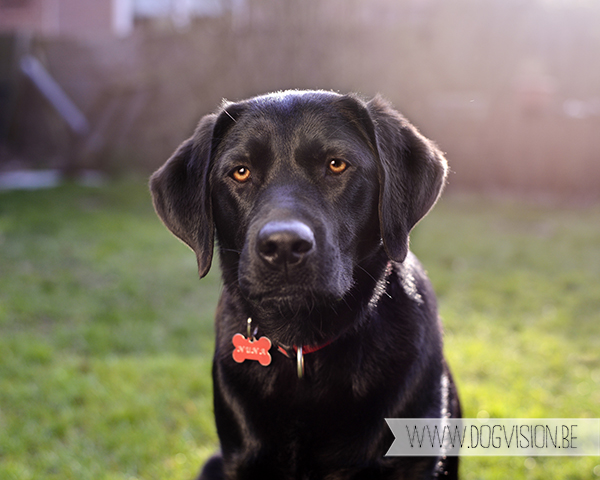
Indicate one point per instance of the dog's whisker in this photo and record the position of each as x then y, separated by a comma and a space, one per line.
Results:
360, 267
239, 252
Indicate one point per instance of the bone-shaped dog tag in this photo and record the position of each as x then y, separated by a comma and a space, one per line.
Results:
248, 349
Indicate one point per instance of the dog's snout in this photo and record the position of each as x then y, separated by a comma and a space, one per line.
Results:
285, 243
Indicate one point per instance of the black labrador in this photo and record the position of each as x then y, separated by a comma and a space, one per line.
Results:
327, 323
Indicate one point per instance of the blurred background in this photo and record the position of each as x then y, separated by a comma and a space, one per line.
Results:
510, 89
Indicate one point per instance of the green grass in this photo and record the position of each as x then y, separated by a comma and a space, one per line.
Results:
106, 332
518, 286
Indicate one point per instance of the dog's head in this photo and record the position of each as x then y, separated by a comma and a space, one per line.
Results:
303, 189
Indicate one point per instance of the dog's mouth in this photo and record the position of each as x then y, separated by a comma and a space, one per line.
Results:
312, 289
292, 317
291, 296
291, 303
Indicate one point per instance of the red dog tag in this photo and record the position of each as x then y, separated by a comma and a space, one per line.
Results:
246, 349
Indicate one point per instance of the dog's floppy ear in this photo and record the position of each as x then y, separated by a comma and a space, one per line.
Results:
412, 172
181, 193
181, 189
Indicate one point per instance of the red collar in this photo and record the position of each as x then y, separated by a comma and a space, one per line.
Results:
299, 353
290, 352
245, 351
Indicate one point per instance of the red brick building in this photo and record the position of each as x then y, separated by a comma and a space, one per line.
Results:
67, 18
99, 18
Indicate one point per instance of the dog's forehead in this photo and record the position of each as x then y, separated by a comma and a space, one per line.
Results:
293, 118
293, 111
292, 98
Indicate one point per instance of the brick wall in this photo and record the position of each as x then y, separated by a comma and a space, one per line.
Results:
28, 15
53, 18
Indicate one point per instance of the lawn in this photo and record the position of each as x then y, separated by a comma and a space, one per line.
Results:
106, 331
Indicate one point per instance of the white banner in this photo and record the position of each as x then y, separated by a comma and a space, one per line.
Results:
495, 437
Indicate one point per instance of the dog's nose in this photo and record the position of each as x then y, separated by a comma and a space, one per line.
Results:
285, 242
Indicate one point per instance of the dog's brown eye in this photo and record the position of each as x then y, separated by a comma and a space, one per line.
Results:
241, 174
337, 166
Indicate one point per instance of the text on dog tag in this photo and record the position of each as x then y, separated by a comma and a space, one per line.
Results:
247, 349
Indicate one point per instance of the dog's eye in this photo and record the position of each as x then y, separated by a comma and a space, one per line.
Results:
337, 166
241, 174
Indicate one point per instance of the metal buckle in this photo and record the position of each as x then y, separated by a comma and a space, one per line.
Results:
300, 360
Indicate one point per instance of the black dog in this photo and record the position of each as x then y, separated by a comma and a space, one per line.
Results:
327, 324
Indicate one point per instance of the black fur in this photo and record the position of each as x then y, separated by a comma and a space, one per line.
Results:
316, 257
